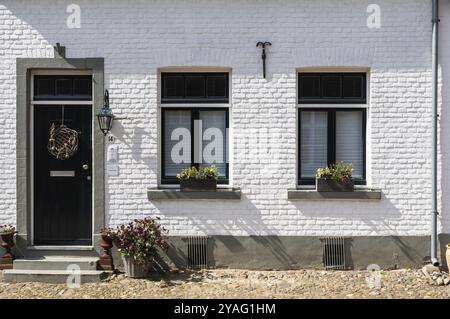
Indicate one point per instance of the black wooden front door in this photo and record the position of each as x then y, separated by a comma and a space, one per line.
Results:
62, 188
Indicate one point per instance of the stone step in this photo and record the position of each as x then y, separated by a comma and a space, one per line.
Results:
38, 253
56, 263
52, 276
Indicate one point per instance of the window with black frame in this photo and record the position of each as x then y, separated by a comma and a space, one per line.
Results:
62, 87
194, 134
332, 123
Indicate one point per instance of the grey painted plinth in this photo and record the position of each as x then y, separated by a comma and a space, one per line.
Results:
306, 194
298, 252
176, 194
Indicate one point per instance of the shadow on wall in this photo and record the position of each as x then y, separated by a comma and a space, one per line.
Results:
255, 238
133, 148
243, 218
141, 47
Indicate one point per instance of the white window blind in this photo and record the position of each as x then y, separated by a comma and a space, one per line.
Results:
214, 139
349, 140
172, 121
313, 141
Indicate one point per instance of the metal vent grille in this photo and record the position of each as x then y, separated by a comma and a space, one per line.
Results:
197, 252
334, 253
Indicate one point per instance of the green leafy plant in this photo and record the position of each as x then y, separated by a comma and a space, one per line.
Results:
140, 239
206, 172
337, 171
7, 229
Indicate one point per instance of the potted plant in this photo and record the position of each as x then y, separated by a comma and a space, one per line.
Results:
447, 256
335, 178
203, 179
138, 243
105, 261
7, 235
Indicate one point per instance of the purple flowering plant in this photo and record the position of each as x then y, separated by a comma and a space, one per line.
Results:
140, 239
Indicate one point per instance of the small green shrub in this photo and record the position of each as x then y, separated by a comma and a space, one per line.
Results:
206, 172
337, 171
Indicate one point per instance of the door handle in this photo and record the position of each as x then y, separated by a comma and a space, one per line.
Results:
85, 167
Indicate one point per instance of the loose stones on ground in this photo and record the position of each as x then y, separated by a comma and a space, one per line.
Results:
436, 276
222, 283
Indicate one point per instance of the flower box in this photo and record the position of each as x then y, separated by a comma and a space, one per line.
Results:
330, 185
192, 185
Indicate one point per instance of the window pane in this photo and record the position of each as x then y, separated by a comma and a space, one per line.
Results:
45, 87
214, 139
349, 140
331, 86
352, 86
64, 87
195, 86
217, 86
313, 141
309, 86
177, 142
82, 87
173, 86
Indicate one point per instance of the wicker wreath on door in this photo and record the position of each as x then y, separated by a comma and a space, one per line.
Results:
63, 142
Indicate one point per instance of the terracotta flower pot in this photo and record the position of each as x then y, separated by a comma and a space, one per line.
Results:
106, 262
135, 270
6, 261
447, 256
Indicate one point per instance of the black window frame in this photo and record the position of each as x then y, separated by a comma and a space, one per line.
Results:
62, 97
335, 100
195, 115
331, 140
201, 99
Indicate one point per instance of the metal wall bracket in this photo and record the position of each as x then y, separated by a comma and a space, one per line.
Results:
263, 54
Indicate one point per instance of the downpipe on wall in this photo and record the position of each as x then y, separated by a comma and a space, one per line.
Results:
434, 101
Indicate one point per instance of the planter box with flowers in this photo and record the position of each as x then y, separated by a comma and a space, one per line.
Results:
138, 243
7, 235
335, 178
203, 179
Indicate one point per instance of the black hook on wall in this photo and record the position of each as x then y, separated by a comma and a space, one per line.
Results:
263, 54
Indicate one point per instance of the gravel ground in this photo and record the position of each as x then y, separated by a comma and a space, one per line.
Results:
403, 283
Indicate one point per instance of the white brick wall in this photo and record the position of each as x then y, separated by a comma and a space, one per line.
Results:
138, 37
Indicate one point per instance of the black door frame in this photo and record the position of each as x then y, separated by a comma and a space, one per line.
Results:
24, 69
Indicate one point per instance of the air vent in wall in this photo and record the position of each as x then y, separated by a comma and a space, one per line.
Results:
197, 252
334, 253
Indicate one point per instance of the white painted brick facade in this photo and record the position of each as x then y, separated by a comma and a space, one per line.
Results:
138, 37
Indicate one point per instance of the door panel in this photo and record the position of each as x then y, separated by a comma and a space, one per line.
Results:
62, 188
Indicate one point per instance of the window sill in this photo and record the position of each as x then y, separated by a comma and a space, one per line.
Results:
176, 194
312, 194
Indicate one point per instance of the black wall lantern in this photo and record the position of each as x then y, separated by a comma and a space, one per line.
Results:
105, 116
